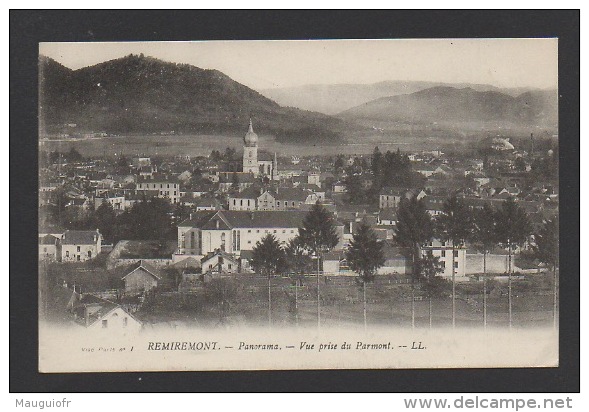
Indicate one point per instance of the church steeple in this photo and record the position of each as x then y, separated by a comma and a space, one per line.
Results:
251, 138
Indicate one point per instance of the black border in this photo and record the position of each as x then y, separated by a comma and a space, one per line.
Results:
27, 28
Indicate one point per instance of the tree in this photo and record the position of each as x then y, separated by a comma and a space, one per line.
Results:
268, 259
318, 236
454, 224
414, 228
339, 163
353, 183
104, 219
230, 154
147, 219
513, 228
435, 286
364, 257
485, 237
298, 262
223, 292
547, 242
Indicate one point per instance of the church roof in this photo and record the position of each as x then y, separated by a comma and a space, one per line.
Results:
245, 219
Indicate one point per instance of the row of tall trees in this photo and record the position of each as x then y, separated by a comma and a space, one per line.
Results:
507, 226
486, 228
316, 237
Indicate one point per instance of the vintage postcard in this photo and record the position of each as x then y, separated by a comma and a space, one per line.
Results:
324, 204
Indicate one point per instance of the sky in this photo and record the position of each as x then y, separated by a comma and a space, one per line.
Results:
273, 64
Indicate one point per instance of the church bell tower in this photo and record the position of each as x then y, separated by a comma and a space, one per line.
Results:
250, 151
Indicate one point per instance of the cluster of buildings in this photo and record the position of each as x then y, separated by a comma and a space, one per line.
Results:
235, 203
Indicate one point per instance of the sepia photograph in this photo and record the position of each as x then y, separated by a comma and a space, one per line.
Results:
298, 204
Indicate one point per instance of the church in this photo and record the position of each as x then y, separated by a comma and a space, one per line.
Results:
255, 162
258, 163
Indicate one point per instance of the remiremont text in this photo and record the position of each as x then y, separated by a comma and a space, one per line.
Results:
206, 346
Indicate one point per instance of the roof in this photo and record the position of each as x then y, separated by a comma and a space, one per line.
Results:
394, 191
248, 193
218, 252
106, 307
244, 219
80, 237
291, 193
265, 156
152, 270
48, 240
387, 214
186, 263
227, 177
394, 252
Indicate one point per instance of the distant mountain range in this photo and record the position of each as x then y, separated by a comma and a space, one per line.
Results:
452, 106
138, 94
335, 98
143, 95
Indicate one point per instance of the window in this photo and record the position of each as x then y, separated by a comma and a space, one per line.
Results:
443, 243
104, 324
78, 249
229, 266
456, 265
443, 265
443, 253
292, 231
258, 231
249, 231
455, 253
274, 230
283, 230
67, 253
78, 258
278, 203
89, 254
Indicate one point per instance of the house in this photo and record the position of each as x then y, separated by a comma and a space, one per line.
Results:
286, 198
244, 180
116, 200
49, 247
80, 245
141, 278
390, 197
443, 250
219, 261
168, 188
425, 169
396, 260
93, 312
244, 200
387, 217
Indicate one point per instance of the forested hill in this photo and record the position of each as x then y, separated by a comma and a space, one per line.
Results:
137, 94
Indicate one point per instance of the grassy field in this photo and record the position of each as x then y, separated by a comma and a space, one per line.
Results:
342, 305
202, 145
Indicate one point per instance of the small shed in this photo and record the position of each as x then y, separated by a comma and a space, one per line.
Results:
141, 278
